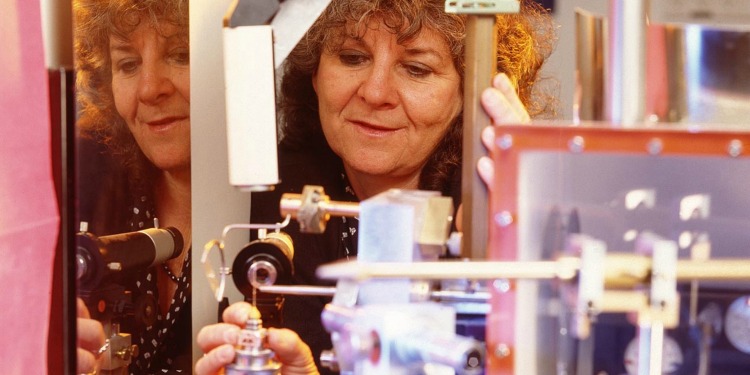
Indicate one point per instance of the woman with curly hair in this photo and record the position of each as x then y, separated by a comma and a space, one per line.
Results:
133, 88
372, 99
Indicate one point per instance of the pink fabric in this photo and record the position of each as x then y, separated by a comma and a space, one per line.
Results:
28, 209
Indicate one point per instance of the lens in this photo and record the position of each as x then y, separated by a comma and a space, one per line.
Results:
215, 268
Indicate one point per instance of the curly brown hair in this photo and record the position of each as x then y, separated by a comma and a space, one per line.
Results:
95, 21
525, 40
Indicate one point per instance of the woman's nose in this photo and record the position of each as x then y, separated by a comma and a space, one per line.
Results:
378, 86
155, 83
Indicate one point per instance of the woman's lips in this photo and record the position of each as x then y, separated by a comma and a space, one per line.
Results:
164, 123
373, 130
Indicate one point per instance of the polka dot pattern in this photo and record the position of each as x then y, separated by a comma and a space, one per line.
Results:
350, 224
159, 343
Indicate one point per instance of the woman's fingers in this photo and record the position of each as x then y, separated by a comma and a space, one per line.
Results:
90, 338
218, 340
90, 334
85, 361
212, 362
81, 310
238, 313
295, 356
503, 83
214, 335
486, 170
488, 137
501, 102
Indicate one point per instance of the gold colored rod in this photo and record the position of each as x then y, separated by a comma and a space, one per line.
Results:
290, 205
713, 270
480, 67
565, 268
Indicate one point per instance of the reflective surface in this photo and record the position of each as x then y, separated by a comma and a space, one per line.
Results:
699, 73
694, 73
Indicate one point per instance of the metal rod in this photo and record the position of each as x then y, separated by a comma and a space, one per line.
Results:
300, 290
481, 56
290, 205
445, 270
626, 61
657, 348
329, 291
589, 96
614, 301
459, 296
565, 268
714, 270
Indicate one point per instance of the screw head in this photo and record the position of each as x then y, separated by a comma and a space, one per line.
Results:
501, 285
502, 350
504, 218
505, 142
655, 146
576, 144
735, 148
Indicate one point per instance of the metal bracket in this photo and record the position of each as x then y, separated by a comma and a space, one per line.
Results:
590, 282
250, 12
664, 297
482, 7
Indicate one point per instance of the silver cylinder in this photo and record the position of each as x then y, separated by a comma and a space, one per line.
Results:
626, 61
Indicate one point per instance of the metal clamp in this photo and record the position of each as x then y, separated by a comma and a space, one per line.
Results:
218, 282
482, 7
313, 208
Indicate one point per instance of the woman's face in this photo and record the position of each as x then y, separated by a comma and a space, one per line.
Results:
385, 106
151, 87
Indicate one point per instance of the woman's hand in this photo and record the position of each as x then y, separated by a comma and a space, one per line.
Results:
218, 341
503, 106
295, 356
90, 335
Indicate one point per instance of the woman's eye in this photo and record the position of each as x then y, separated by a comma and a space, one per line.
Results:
127, 66
352, 58
417, 70
181, 56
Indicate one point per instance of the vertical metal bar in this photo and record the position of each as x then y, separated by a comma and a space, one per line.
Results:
644, 348
481, 56
68, 215
588, 103
627, 61
657, 344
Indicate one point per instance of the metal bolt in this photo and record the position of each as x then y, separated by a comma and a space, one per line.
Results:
505, 142
115, 266
328, 360
502, 351
655, 146
576, 144
504, 218
501, 285
125, 353
735, 148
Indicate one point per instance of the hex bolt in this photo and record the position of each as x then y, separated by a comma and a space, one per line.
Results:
576, 144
